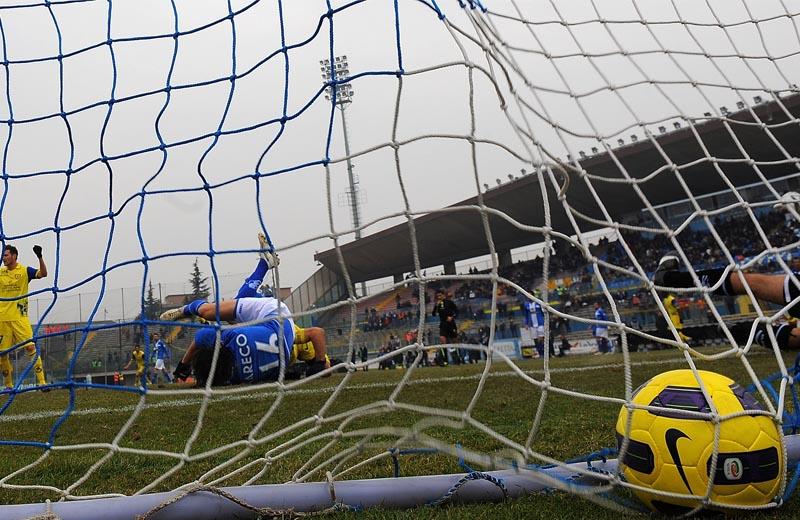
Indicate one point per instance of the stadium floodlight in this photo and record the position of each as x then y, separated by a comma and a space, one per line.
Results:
341, 92
662, 129
757, 99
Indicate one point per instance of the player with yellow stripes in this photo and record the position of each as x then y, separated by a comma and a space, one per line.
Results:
138, 356
671, 305
309, 346
15, 327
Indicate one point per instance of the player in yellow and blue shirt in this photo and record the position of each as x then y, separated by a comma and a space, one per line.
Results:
138, 356
15, 327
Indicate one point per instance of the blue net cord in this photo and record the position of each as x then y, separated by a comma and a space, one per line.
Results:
791, 485
572, 482
791, 419
476, 475
106, 159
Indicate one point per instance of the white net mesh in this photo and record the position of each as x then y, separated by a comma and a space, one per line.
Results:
140, 137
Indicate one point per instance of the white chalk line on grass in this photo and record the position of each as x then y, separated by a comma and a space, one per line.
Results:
194, 401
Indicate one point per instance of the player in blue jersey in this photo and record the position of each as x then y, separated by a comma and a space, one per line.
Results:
600, 331
162, 355
534, 320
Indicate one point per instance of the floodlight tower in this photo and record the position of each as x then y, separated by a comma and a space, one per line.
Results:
343, 97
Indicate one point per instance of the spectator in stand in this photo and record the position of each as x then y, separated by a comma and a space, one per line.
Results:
448, 330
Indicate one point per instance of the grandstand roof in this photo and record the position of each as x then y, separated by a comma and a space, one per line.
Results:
458, 233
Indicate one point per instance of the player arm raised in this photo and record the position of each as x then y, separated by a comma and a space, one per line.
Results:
42, 272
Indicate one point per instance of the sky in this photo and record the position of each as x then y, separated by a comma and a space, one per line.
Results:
110, 228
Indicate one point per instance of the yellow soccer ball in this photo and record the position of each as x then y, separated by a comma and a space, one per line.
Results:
671, 452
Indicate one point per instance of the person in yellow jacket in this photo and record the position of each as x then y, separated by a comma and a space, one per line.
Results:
15, 327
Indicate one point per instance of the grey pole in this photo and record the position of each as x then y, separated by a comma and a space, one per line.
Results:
339, 69
350, 177
354, 202
389, 493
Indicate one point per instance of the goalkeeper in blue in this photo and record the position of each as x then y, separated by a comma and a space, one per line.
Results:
249, 353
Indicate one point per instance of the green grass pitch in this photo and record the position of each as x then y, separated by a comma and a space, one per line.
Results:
507, 403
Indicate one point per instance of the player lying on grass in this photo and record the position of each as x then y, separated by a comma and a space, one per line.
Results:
774, 288
250, 353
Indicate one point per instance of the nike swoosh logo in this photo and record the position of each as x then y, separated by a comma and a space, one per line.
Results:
671, 437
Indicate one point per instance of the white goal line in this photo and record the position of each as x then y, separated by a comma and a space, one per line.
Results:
194, 401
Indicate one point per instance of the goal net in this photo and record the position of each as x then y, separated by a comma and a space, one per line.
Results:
505, 154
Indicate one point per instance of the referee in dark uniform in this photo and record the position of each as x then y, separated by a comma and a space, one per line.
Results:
448, 331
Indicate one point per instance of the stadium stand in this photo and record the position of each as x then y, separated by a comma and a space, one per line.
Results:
571, 287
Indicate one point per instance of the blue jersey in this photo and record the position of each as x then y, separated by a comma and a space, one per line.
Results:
161, 350
256, 349
600, 315
534, 314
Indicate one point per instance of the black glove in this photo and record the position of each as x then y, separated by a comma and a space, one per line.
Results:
182, 371
37, 250
295, 371
314, 367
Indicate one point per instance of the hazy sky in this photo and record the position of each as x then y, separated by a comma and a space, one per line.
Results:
566, 59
